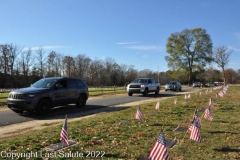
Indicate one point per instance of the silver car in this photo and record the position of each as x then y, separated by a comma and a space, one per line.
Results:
174, 86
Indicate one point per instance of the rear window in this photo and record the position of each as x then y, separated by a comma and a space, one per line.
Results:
71, 83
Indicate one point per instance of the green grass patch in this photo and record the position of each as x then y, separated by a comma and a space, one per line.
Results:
105, 91
135, 139
3, 97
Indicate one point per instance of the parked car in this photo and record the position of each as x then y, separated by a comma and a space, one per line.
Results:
144, 86
197, 84
48, 93
209, 84
173, 85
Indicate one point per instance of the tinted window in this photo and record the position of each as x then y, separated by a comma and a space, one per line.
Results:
63, 83
71, 83
79, 82
44, 83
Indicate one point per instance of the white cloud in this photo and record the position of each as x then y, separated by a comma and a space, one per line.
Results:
237, 35
44, 47
234, 49
145, 48
127, 43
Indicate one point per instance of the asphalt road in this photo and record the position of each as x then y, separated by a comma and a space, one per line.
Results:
8, 117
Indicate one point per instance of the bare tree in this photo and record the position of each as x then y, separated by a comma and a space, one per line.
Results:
26, 63
221, 57
69, 65
4, 63
50, 62
41, 60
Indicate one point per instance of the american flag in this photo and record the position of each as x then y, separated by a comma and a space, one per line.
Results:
217, 96
200, 93
185, 97
64, 133
220, 94
207, 114
207, 91
139, 114
157, 105
189, 96
224, 92
210, 102
197, 119
175, 101
195, 132
159, 150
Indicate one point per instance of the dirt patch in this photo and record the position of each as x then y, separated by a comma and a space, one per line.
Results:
19, 131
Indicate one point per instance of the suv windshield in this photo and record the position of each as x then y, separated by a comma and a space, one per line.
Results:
44, 83
140, 81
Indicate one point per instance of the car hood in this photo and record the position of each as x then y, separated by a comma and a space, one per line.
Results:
30, 90
136, 83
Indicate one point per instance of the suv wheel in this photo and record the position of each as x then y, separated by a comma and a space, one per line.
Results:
81, 101
130, 94
146, 92
17, 111
157, 91
43, 107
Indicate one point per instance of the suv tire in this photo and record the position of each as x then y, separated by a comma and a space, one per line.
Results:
17, 111
43, 107
130, 94
157, 91
81, 101
145, 92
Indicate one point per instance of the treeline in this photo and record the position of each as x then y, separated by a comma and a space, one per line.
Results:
22, 67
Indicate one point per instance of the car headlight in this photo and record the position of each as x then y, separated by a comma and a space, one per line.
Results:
142, 85
31, 95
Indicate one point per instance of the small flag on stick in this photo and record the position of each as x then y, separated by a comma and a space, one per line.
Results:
217, 96
159, 150
175, 101
139, 114
195, 132
64, 133
221, 94
207, 114
210, 102
197, 119
157, 105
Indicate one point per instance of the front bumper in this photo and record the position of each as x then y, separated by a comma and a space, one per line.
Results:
169, 87
20, 104
135, 90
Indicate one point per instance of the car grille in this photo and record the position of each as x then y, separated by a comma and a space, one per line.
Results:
134, 86
17, 96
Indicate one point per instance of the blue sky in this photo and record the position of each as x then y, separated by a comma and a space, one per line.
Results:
132, 32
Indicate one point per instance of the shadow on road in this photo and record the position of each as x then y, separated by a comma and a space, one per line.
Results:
72, 112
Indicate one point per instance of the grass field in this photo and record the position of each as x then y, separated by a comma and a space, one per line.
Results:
134, 140
3, 97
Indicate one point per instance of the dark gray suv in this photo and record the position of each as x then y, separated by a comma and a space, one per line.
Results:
173, 85
48, 93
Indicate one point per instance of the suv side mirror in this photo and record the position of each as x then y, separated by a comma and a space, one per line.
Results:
58, 85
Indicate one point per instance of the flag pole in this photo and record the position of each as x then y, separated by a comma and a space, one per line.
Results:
183, 138
187, 129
